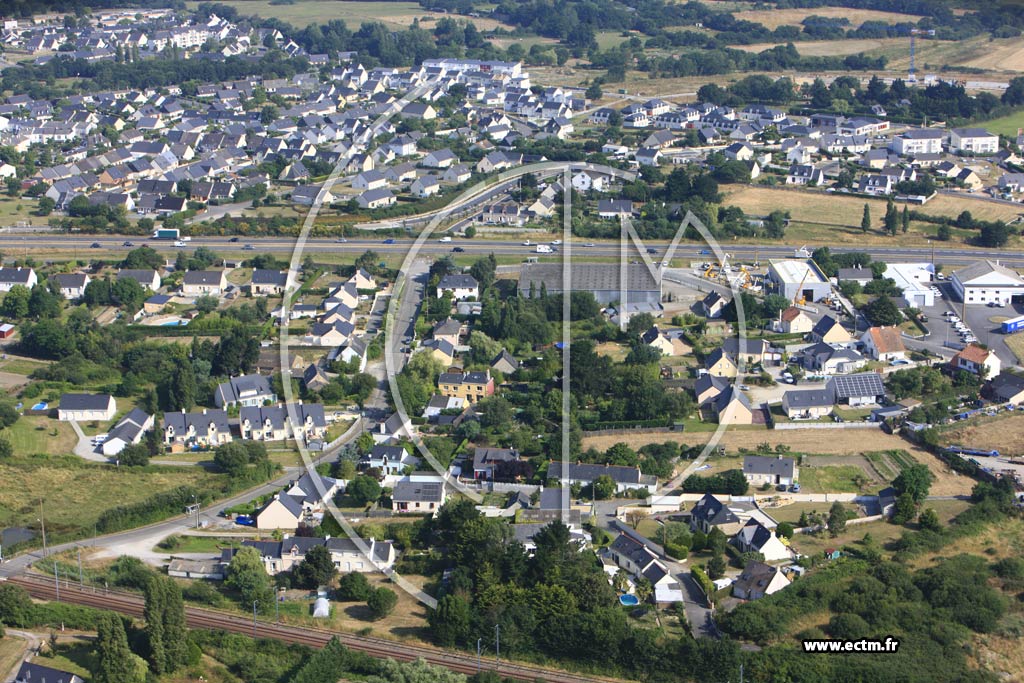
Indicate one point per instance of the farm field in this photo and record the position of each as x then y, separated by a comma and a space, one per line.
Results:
352, 12
830, 48
1004, 433
1006, 125
773, 18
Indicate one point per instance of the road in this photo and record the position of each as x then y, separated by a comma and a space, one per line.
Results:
605, 249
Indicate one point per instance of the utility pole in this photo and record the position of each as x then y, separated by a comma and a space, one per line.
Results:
42, 523
81, 584
254, 603
497, 642
56, 579
478, 641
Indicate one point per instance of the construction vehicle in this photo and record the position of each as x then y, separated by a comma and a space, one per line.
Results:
800, 299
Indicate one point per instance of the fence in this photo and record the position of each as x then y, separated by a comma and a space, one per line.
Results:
828, 425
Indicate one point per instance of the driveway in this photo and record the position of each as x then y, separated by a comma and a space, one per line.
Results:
700, 618
84, 448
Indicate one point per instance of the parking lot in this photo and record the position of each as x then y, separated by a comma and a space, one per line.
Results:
984, 322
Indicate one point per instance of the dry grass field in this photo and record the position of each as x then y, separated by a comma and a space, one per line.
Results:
830, 48
1004, 432
773, 18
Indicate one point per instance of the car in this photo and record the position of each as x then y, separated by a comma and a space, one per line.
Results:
245, 520
744, 387
704, 252
95, 245
556, 242
795, 488
446, 238
458, 250
128, 244
527, 243
589, 244
940, 276
652, 250
900, 361
248, 247
389, 240
233, 239
341, 240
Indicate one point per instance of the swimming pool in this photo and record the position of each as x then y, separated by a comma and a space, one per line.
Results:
629, 600
174, 323
39, 406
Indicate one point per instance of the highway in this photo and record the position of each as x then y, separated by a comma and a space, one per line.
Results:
687, 251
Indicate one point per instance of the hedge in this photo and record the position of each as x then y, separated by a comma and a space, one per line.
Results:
705, 583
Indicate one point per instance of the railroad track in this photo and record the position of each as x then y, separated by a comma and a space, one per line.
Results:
196, 617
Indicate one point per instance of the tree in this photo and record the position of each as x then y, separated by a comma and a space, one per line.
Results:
882, 311
836, 519
635, 517
603, 487
115, 661
316, 568
716, 567
943, 233
8, 414
865, 219
381, 602
905, 219
363, 489
247, 576
904, 510
15, 605
43, 303
450, 621
916, 480
469, 231
892, 218
46, 206
929, 520
785, 529
15, 304
354, 587
593, 91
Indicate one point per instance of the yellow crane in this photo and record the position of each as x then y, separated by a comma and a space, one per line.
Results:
800, 299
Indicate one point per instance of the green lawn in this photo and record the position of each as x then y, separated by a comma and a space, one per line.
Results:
33, 434
199, 544
20, 366
1006, 125
829, 479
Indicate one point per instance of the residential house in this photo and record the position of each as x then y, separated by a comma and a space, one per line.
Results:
460, 285
773, 470
918, 141
438, 404
625, 478
86, 408
720, 364
387, 460
505, 363
832, 360
637, 559
667, 343
973, 141
204, 283
314, 378
281, 512
804, 174
353, 350
370, 180
751, 351
267, 282
862, 388
203, 428
710, 513
1007, 388
71, 285
977, 361
754, 537
614, 208
470, 386
884, 344
807, 404
425, 186
31, 672
376, 199
441, 159
758, 580
329, 334
244, 390
794, 321
26, 277
829, 331
418, 494
879, 185
149, 279
732, 407
489, 461
127, 432
447, 330
708, 387
712, 305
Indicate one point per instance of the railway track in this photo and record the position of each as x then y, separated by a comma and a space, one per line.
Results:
196, 617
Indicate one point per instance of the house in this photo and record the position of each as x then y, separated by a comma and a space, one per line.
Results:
984, 282
363, 280
280, 512
329, 334
505, 363
204, 428
758, 580
210, 569
439, 349
709, 513
667, 343
30, 672
807, 404
86, 408
739, 151
267, 282
1007, 387
732, 407
832, 360
353, 350
973, 141
370, 180
638, 560
148, 279
204, 283
442, 158
712, 305
625, 478
487, 461
438, 404
388, 460
884, 344
829, 331
244, 390
648, 156
306, 195
461, 286
302, 421
470, 386
425, 186
71, 285
751, 351
720, 364
862, 388
794, 321
376, 199
346, 555
614, 208
708, 387
26, 277
804, 174
127, 432
447, 330
315, 378
977, 361
415, 494
878, 185
776, 471
918, 141
754, 537
860, 275
504, 213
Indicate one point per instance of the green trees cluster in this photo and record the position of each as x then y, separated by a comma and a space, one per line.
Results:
116, 663
124, 293
234, 458
731, 481
248, 578
166, 633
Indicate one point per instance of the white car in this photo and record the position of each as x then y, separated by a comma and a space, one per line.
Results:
556, 242
446, 238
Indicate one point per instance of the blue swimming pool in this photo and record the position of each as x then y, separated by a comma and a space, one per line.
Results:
174, 323
39, 406
629, 600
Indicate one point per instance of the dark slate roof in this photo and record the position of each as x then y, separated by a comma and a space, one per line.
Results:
84, 401
760, 464
809, 398
589, 472
203, 277
37, 673
713, 511
458, 281
265, 276
18, 276
418, 491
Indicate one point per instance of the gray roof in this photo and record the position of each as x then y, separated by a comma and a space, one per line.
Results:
713, 511
243, 387
203, 277
755, 534
447, 326
586, 277
485, 456
756, 575
761, 464
458, 281
418, 492
278, 415
824, 325
70, 280
978, 269
1007, 385
200, 420
31, 672
143, 277
18, 276
84, 401
265, 276
809, 398
590, 472
129, 426
858, 385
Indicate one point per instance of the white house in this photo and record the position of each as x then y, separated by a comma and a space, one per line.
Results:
461, 286
758, 580
128, 431
918, 141
9, 277
973, 141
72, 285
973, 358
204, 282
754, 537
884, 344
86, 408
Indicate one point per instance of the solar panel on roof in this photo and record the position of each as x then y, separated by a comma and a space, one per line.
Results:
861, 384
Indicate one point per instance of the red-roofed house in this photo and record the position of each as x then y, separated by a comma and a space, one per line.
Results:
884, 344
973, 358
794, 321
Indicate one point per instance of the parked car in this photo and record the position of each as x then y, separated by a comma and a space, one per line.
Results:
248, 247
245, 520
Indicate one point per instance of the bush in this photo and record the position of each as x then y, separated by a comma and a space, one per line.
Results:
704, 581
354, 587
202, 592
381, 602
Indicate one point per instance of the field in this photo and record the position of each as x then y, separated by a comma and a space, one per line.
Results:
75, 494
34, 434
830, 48
11, 650
1007, 125
398, 15
1015, 342
830, 479
773, 18
1004, 432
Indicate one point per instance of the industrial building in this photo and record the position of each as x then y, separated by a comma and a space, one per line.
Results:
798, 279
915, 281
600, 279
985, 282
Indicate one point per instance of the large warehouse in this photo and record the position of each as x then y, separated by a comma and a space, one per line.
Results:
601, 279
983, 282
798, 279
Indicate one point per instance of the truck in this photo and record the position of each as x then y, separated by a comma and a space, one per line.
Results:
1012, 325
167, 234
543, 249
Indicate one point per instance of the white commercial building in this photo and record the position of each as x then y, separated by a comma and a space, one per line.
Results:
914, 280
798, 279
984, 282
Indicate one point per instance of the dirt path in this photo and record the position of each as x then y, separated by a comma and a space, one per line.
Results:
817, 441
